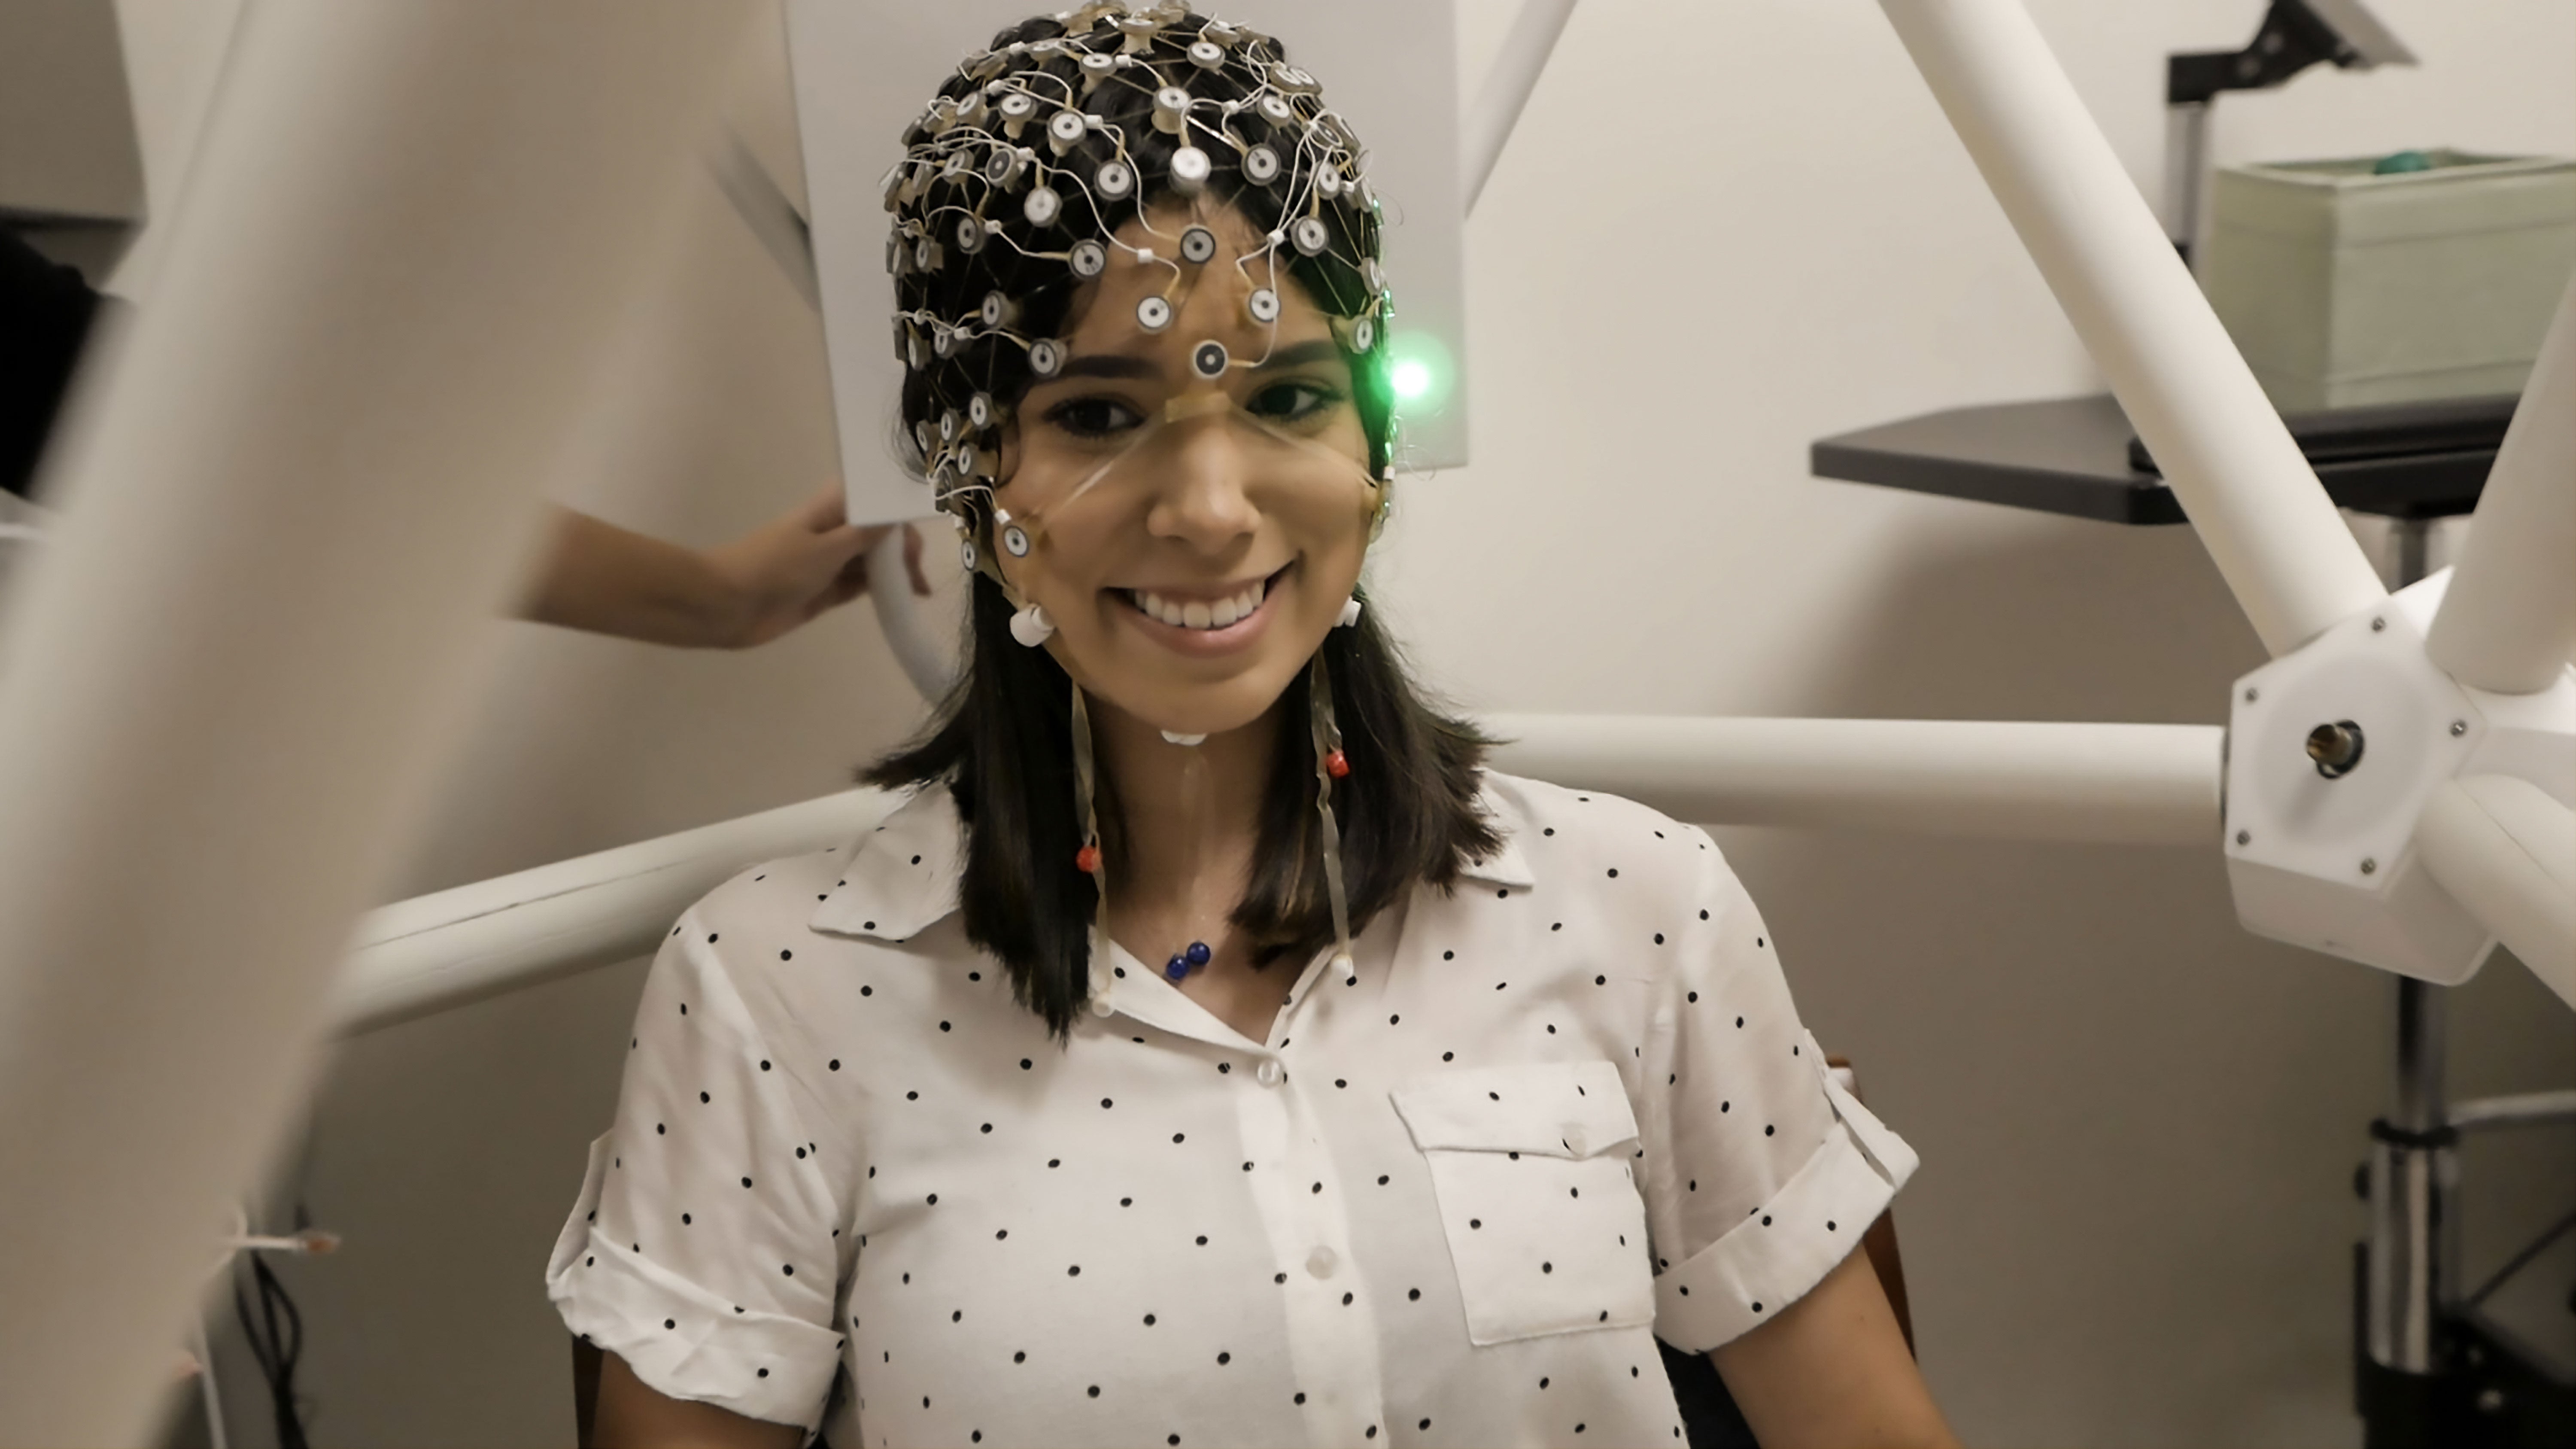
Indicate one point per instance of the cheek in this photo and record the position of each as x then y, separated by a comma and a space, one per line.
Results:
1332, 533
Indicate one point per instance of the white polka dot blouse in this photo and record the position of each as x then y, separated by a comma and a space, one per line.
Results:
1550, 1115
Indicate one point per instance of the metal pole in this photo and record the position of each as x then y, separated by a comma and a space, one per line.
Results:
2414, 1236
2409, 1162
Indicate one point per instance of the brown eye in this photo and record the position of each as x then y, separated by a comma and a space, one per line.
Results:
1092, 417
1293, 402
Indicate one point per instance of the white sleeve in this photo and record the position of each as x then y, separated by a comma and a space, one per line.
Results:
1760, 1172
703, 1247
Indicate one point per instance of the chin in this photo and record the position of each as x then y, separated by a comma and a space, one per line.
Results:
1202, 706
1220, 708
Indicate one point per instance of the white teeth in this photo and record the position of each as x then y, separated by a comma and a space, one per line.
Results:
1196, 615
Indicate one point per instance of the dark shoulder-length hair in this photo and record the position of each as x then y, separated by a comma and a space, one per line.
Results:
1002, 742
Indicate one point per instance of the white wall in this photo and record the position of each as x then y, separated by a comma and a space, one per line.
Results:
1722, 231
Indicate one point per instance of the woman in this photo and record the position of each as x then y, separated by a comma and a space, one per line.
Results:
1444, 1094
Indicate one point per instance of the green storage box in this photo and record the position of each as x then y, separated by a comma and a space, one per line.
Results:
2345, 288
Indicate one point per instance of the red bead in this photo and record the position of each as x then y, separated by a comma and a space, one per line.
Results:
1087, 860
1337, 765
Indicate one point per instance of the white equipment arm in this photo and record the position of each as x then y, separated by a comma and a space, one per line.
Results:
2285, 553
2508, 623
2106, 783
2133, 784
311, 482
436, 952
2508, 852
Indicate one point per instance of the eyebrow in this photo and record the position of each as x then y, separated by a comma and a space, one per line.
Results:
1108, 364
1121, 365
1321, 349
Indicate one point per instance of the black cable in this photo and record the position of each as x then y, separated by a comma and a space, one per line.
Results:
2521, 1260
276, 1346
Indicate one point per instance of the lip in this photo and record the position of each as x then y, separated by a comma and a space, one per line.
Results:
1205, 643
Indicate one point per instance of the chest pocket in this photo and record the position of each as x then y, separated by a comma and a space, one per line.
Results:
1531, 1166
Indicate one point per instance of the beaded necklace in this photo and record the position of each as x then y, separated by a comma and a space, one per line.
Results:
1183, 963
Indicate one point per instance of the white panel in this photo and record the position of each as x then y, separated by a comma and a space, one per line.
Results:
864, 69
67, 145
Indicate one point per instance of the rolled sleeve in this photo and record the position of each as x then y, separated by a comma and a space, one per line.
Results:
702, 1249
1760, 1172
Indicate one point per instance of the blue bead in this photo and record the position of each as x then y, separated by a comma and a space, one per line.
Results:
1176, 968
1198, 953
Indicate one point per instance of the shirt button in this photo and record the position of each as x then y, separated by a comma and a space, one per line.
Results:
1321, 1262
1268, 1072
1574, 1141
1101, 1007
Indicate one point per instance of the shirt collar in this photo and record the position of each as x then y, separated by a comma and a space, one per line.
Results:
1505, 867
903, 875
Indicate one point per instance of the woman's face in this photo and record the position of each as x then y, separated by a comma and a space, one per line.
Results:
1167, 503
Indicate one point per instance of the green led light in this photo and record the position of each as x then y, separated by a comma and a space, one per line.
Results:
1419, 373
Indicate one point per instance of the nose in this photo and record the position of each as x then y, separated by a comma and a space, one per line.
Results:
1206, 503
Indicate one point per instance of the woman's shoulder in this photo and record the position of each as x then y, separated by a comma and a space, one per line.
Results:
1558, 830
1620, 860
772, 895
890, 878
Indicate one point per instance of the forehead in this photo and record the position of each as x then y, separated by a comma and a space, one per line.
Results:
1227, 296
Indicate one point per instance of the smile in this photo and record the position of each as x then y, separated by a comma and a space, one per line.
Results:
1202, 620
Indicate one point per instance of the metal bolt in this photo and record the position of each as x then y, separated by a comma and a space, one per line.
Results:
2245, 837
2377, 625
2459, 727
2369, 866
2336, 748
2490, 1401
2252, 695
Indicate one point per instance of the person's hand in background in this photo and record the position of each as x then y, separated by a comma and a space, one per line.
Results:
802, 564
808, 561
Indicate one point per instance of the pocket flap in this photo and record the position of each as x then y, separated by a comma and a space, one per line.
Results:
1559, 1109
